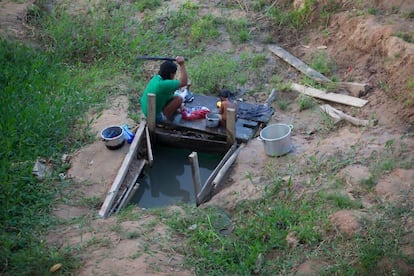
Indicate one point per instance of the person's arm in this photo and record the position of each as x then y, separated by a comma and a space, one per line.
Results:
183, 71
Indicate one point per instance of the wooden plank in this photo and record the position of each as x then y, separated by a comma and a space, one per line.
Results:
208, 185
333, 97
335, 113
231, 125
195, 171
356, 89
223, 171
271, 97
298, 64
135, 172
132, 153
151, 112
149, 147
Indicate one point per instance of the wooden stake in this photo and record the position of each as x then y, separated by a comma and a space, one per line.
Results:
195, 171
151, 112
271, 97
231, 126
149, 147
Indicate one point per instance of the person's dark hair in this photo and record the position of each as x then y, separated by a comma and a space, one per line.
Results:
166, 69
225, 93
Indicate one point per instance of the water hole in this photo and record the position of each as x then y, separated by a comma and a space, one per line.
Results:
169, 181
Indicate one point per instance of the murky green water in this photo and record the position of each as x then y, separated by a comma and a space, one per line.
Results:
169, 181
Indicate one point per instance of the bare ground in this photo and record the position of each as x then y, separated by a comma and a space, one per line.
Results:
364, 50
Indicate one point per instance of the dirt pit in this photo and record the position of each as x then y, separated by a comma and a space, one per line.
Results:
364, 49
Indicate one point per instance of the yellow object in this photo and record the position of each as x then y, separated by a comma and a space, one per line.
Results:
218, 104
55, 268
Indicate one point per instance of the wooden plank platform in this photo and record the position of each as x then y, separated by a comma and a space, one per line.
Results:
245, 128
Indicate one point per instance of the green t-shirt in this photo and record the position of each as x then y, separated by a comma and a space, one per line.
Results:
163, 90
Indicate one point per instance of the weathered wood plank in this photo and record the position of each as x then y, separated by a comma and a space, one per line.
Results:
226, 166
356, 89
271, 97
339, 115
195, 171
149, 147
333, 97
151, 112
132, 153
298, 64
231, 125
134, 172
208, 185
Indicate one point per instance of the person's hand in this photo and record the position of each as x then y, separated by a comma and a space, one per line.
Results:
179, 60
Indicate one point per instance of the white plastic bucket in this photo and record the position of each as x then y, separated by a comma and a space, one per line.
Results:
276, 139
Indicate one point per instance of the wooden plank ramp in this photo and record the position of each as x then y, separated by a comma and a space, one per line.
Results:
124, 173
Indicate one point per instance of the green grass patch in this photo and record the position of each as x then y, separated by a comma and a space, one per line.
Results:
40, 105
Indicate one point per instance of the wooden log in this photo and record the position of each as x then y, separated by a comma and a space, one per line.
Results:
208, 185
333, 97
231, 126
149, 147
132, 153
223, 171
151, 112
339, 115
195, 172
356, 89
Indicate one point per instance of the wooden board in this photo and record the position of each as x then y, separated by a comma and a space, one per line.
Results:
332, 97
119, 179
356, 89
298, 64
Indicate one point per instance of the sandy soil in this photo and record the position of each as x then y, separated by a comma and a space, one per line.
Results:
364, 50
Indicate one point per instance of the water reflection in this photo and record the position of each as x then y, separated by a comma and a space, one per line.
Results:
169, 181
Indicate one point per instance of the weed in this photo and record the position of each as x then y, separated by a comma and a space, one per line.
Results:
406, 36
373, 11
282, 105
229, 75
409, 14
147, 4
305, 102
238, 30
341, 201
322, 63
410, 89
204, 29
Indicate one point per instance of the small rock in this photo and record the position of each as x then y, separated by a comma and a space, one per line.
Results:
41, 169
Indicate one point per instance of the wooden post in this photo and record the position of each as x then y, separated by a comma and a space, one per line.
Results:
151, 112
195, 171
231, 126
149, 147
